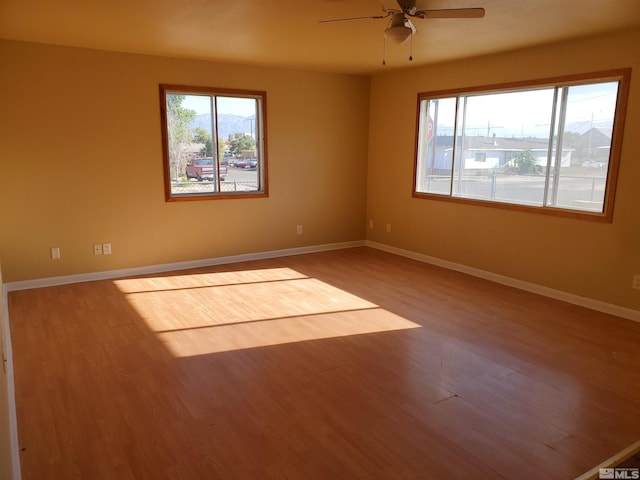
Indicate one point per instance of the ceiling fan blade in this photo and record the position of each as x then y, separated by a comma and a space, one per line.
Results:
451, 13
354, 18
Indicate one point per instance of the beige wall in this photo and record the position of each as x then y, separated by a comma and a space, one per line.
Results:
80, 162
585, 258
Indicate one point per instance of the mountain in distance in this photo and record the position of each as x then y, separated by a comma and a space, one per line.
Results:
230, 124
227, 124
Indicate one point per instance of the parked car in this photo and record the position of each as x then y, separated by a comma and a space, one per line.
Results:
246, 164
227, 159
204, 169
591, 164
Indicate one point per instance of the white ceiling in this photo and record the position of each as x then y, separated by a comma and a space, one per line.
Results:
286, 33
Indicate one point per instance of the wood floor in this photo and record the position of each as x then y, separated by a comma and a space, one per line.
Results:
350, 364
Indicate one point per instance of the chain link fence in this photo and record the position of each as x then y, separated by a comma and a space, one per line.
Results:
578, 192
195, 187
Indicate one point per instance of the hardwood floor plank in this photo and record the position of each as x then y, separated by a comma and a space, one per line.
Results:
346, 364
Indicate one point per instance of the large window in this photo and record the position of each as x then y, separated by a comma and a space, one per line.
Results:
214, 143
551, 146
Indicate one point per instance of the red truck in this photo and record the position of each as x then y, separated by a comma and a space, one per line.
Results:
204, 168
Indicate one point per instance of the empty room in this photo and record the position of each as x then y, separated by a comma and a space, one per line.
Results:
343, 239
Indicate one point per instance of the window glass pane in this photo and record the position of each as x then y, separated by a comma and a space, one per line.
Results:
580, 180
503, 149
238, 133
186, 146
435, 146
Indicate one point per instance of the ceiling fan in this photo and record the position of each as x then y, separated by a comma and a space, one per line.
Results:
401, 28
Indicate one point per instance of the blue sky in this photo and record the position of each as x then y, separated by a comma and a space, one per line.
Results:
528, 113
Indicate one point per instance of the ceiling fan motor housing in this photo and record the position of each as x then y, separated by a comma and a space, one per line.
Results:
397, 31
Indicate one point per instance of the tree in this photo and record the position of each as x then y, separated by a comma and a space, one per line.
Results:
221, 146
179, 133
525, 162
201, 136
240, 141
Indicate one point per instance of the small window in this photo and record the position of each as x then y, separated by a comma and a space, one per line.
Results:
214, 143
550, 146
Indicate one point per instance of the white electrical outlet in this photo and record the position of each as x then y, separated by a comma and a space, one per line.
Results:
636, 281
106, 248
388, 228
55, 253
299, 229
97, 249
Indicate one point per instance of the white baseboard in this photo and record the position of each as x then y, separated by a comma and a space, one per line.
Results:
590, 303
11, 391
170, 267
611, 462
127, 272
62, 280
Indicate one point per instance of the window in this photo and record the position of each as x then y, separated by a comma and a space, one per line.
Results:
214, 143
550, 146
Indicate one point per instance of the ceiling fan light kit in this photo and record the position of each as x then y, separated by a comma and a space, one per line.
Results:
398, 34
401, 28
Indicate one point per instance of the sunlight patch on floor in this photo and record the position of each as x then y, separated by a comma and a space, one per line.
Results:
222, 311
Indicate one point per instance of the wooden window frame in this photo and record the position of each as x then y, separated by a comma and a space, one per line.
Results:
606, 215
261, 142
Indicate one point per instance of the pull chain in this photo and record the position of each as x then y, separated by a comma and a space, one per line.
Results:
411, 48
384, 50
